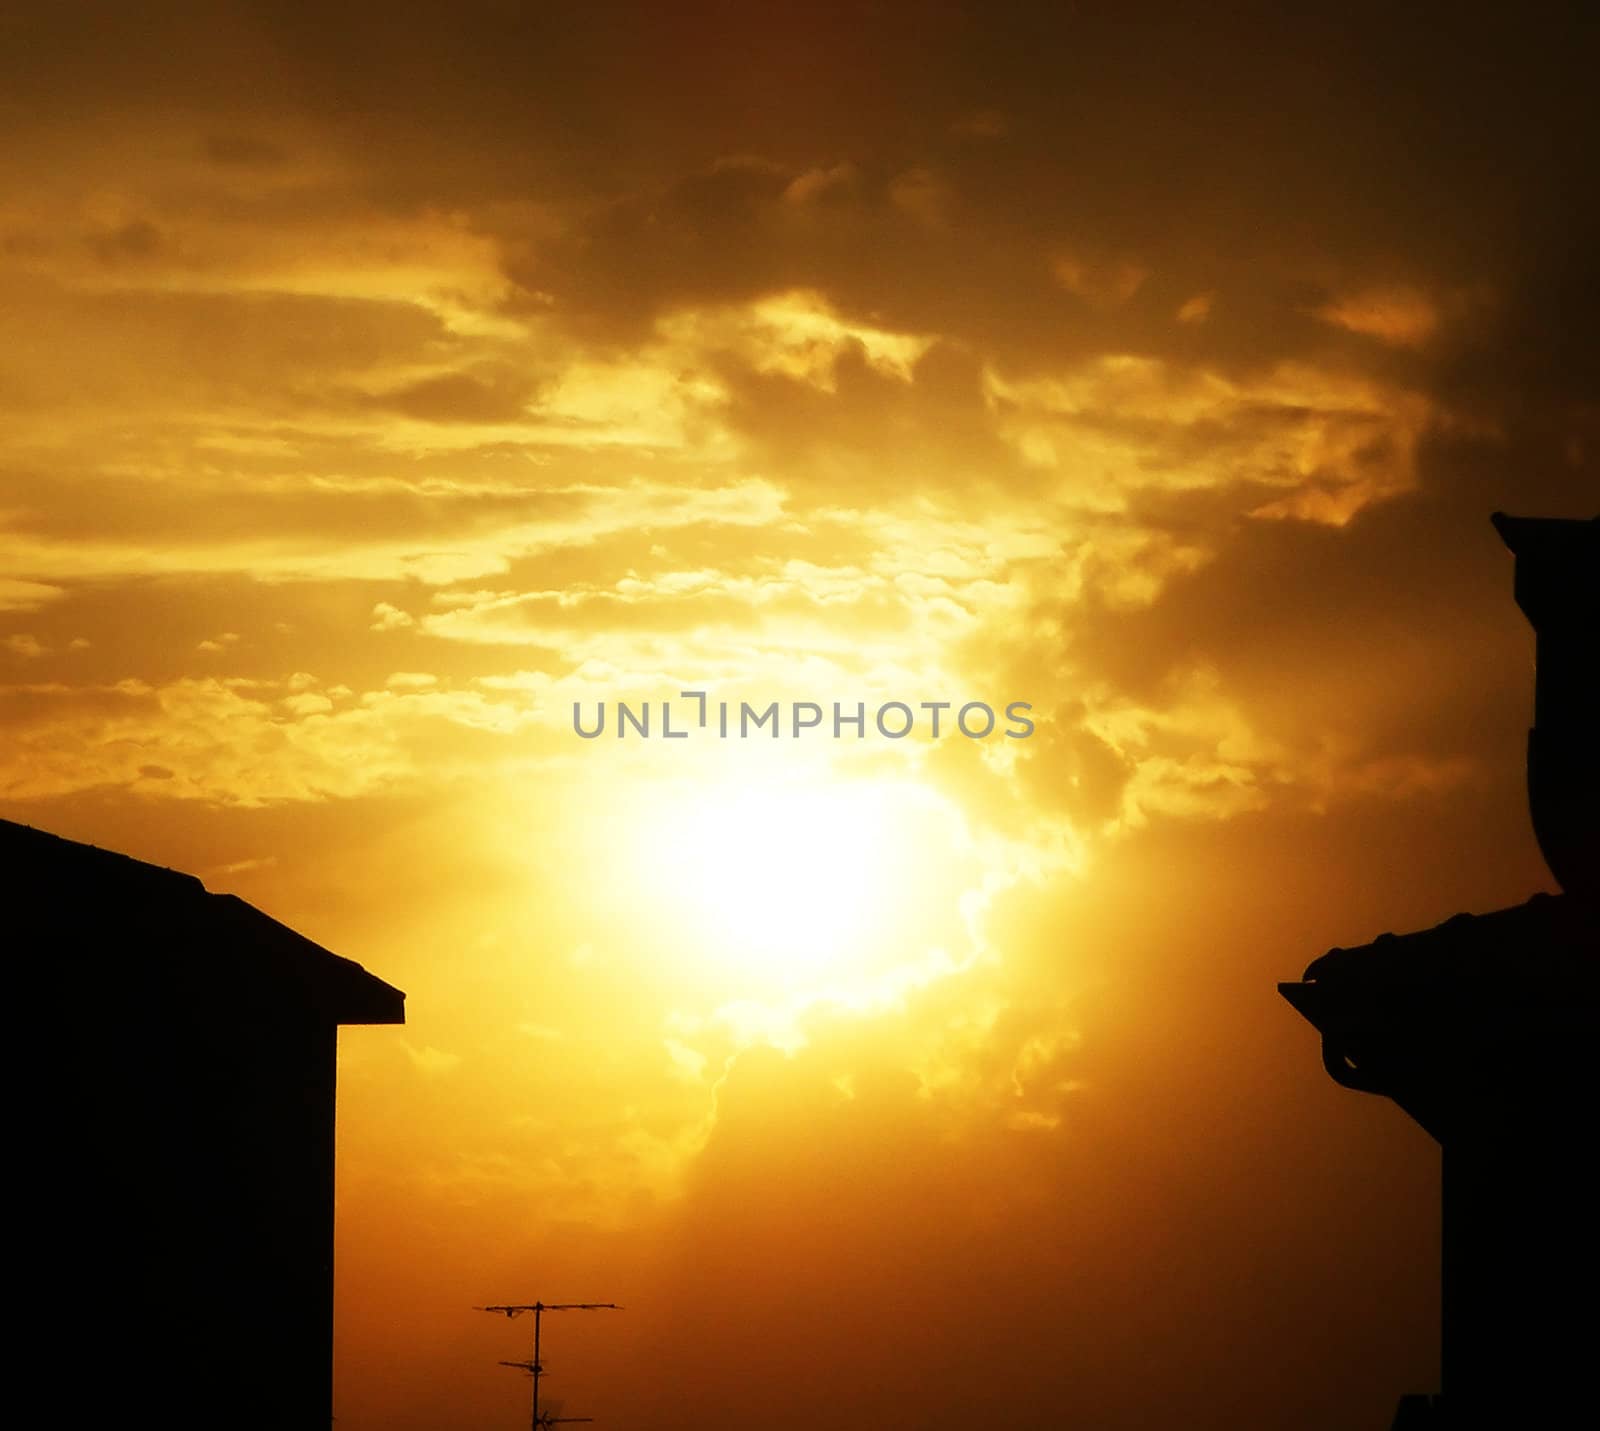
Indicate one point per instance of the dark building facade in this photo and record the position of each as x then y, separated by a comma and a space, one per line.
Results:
1484, 1030
173, 1132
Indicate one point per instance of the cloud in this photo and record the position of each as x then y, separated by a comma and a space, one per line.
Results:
390, 618
1400, 316
326, 533
1103, 285
236, 743
27, 595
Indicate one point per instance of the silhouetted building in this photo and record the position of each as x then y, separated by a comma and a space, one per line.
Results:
1483, 1030
173, 1143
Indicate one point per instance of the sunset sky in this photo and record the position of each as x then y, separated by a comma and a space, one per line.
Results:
379, 380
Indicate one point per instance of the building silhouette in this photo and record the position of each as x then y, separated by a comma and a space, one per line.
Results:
172, 1143
1483, 1030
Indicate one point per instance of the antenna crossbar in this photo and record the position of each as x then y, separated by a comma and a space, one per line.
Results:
534, 1367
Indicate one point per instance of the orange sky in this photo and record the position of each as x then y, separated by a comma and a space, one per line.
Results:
377, 384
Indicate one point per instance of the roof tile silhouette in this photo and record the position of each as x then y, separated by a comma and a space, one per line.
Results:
163, 913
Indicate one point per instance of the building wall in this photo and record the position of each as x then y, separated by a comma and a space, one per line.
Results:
176, 1239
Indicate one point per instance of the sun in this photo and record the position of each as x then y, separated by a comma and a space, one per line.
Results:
797, 882
792, 877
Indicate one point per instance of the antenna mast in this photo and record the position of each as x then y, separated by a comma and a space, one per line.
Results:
535, 1368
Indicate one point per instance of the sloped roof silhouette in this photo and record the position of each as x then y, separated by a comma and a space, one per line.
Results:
156, 912
1556, 931
1393, 1008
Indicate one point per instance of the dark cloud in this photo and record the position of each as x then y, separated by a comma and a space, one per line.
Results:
127, 243
462, 397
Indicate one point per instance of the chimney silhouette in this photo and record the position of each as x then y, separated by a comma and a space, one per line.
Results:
1558, 589
1482, 1029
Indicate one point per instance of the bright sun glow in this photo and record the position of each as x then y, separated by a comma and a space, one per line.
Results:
802, 883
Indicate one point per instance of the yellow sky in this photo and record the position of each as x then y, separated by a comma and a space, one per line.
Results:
376, 386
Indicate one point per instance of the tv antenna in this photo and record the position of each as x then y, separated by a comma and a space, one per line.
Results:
552, 1417
535, 1368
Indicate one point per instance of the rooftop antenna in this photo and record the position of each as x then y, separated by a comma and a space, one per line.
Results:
535, 1368
553, 1416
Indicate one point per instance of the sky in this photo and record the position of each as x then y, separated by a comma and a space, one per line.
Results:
381, 381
